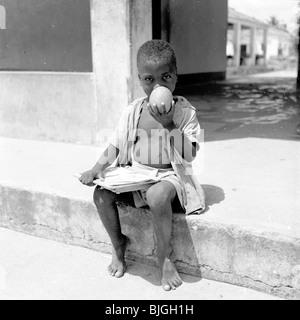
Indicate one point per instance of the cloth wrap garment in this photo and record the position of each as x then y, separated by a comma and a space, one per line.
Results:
186, 121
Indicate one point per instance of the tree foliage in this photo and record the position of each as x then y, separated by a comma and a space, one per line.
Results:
273, 21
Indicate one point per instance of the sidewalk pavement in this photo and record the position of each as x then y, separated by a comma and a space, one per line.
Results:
37, 269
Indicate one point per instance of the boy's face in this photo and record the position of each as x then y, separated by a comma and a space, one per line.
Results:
154, 74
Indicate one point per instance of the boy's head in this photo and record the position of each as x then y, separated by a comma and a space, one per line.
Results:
157, 66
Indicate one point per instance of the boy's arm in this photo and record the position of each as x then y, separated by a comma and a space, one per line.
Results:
106, 159
186, 148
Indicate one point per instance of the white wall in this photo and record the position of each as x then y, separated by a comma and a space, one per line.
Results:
76, 107
111, 60
118, 29
48, 106
278, 39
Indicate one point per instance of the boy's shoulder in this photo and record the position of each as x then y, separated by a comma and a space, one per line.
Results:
183, 103
136, 102
185, 113
132, 107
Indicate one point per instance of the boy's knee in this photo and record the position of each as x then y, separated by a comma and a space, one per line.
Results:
159, 196
103, 196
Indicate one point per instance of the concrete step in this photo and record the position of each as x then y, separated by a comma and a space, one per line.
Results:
249, 236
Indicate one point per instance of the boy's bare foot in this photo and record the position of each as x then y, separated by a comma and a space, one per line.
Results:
170, 277
118, 266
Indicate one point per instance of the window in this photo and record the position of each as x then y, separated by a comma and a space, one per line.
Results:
48, 35
2, 18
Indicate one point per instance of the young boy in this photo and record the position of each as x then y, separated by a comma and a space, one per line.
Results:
151, 139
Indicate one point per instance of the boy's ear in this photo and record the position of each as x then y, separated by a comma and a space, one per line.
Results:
140, 79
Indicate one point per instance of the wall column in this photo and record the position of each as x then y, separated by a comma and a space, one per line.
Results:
237, 43
117, 31
253, 45
265, 45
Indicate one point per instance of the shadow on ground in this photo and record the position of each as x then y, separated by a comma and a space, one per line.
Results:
263, 108
214, 195
151, 274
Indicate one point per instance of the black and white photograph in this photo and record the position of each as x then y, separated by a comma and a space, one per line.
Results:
149, 153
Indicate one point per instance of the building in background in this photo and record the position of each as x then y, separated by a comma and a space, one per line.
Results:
251, 42
68, 67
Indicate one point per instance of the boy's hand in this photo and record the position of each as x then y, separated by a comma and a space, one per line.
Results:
88, 177
160, 114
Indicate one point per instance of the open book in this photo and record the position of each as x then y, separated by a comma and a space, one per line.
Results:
127, 179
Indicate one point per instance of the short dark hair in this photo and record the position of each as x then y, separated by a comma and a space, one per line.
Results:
157, 51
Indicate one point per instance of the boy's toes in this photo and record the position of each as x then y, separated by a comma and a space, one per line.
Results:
119, 274
111, 271
172, 285
167, 287
178, 283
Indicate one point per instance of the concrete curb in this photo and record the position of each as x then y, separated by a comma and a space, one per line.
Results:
265, 261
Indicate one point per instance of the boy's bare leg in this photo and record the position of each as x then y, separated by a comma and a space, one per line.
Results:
160, 198
105, 202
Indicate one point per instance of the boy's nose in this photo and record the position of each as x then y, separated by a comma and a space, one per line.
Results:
159, 85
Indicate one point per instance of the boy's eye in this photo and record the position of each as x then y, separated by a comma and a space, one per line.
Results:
148, 79
167, 77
